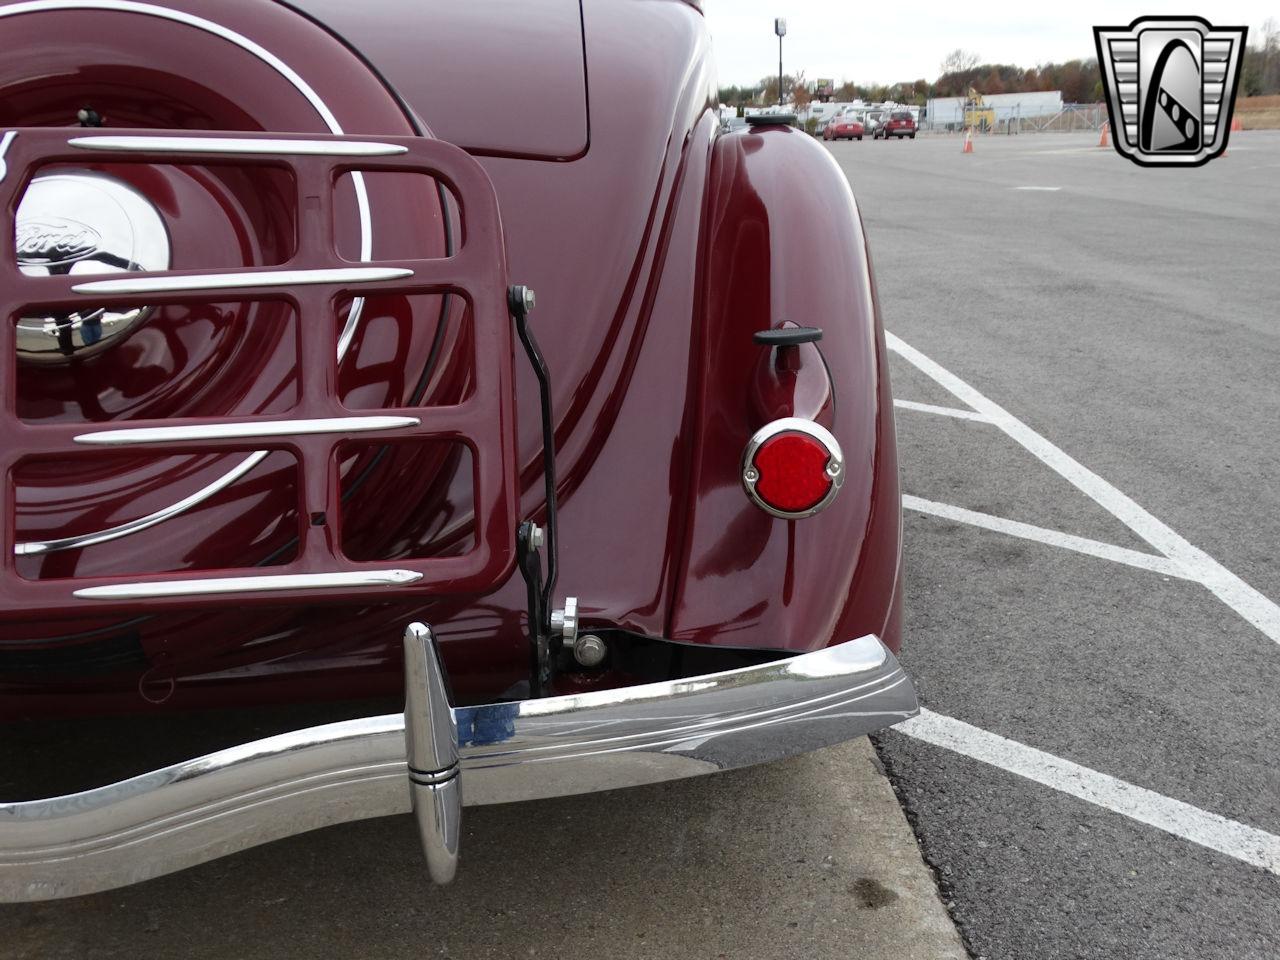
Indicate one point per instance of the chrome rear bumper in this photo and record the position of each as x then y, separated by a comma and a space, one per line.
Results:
214, 805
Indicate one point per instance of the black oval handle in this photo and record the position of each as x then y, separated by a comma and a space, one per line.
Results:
787, 336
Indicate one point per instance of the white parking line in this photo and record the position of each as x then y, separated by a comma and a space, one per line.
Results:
1068, 541
1095, 150
1230, 589
1230, 837
940, 411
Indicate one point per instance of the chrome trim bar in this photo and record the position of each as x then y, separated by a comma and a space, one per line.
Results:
215, 585
219, 145
248, 430
250, 794
5, 142
238, 281
79, 541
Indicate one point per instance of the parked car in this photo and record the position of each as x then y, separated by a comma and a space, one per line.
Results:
900, 124
843, 127
872, 122
304, 482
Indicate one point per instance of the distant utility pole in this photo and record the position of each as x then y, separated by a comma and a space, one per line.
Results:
780, 28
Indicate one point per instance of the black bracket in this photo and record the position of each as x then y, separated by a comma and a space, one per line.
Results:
520, 300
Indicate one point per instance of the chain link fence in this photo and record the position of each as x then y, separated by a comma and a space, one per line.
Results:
1013, 119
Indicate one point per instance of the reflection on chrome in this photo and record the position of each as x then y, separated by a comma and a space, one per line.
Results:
251, 584
217, 145
194, 811
37, 547
239, 280
81, 223
245, 429
5, 142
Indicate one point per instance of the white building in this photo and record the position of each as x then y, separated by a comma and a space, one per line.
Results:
944, 112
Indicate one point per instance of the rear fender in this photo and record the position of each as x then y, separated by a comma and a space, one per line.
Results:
783, 241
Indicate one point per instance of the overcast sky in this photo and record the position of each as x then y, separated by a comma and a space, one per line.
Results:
889, 41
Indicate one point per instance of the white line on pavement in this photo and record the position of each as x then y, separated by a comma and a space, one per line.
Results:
1230, 589
1211, 830
1068, 541
1047, 189
1088, 151
941, 411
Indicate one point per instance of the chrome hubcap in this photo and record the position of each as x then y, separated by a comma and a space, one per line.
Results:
84, 223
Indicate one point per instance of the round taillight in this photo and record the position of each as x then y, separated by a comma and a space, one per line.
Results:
792, 468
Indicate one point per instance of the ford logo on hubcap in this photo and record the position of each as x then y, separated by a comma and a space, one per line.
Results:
50, 241
82, 222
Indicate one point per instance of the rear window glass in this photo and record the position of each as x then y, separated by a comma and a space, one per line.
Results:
902, 116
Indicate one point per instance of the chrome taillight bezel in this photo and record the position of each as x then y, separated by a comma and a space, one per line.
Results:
835, 468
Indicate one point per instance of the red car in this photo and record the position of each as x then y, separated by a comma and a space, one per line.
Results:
315, 512
842, 128
900, 124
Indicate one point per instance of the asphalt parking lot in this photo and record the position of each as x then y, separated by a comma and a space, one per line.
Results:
1095, 774
810, 859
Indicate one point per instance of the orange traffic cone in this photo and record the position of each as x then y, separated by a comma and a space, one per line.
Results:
1104, 142
1236, 124
968, 140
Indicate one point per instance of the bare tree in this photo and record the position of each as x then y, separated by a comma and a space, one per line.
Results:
958, 61
800, 95
1270, 56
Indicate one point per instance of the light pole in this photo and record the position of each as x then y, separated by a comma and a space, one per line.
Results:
780, 28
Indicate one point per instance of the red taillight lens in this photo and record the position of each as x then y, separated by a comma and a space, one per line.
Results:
792, 468
793, 472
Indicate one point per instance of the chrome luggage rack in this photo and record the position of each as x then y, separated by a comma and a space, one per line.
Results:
312, 281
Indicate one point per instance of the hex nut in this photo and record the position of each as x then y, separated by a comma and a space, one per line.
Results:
590, 650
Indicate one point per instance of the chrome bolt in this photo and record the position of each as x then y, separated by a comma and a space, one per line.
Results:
751, 475
590, 650
530, 299
537, 536
564, 622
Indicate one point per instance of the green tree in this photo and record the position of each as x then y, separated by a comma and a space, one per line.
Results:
770, 87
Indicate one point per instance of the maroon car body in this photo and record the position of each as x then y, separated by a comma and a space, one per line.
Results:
657, 246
